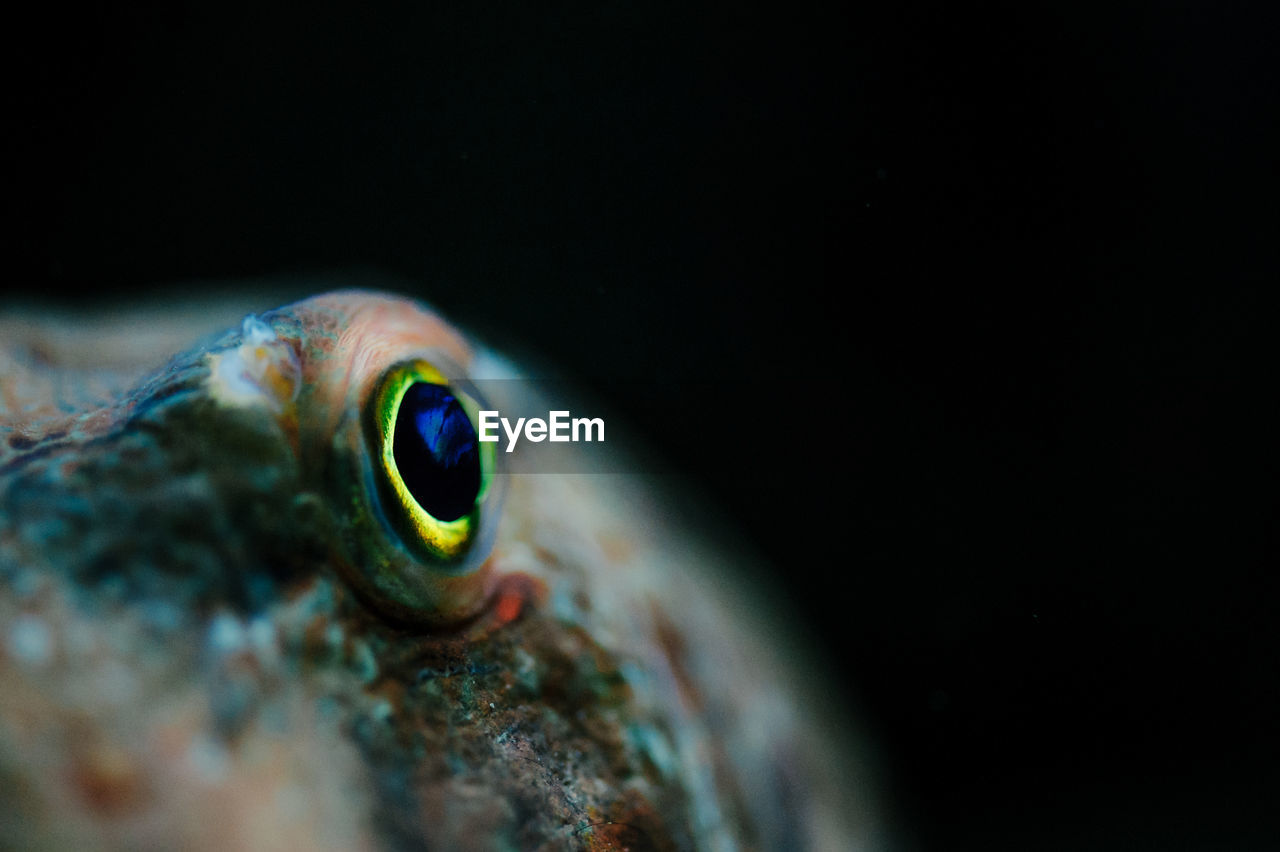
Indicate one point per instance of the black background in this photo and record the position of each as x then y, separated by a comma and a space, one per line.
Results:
960, 314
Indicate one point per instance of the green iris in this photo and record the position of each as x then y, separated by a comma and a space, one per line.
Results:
433, 471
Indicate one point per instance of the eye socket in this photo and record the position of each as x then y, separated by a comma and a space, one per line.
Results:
433, 471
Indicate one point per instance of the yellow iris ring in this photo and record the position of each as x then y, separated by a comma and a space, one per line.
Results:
441, 540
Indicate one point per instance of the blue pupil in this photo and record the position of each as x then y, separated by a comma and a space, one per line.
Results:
436, 451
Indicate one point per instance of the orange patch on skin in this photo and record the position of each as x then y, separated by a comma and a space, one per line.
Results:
508, 608
513, 594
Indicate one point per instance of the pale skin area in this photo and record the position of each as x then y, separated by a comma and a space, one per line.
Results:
697, 725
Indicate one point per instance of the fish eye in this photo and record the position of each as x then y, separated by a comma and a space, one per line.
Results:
433, 472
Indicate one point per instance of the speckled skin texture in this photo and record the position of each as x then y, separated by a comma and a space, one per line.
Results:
189, 656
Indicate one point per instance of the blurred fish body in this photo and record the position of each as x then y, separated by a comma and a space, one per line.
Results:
262, 587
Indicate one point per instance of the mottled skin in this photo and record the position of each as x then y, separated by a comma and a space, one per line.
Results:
192, 653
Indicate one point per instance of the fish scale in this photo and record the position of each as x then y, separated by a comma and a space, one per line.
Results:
189, 628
